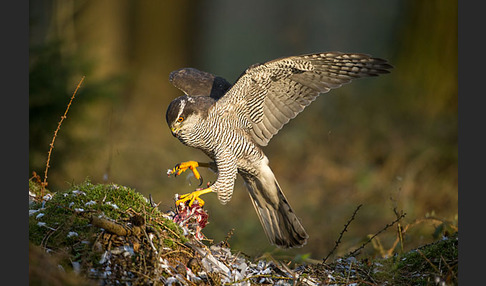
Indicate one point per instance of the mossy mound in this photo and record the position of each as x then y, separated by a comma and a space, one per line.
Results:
109, 233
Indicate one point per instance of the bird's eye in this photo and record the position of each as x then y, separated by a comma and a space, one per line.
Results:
180, 119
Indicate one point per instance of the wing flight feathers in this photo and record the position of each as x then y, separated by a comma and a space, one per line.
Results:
274, 92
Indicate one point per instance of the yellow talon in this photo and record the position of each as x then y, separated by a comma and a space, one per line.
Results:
191, 197
182, 167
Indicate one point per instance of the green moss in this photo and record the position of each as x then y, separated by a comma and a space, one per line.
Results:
64, 220
169, 243
432, 264
34, 187
175, 230
421, 266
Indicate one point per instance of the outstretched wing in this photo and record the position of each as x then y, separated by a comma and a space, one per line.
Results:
274, 92
194, 82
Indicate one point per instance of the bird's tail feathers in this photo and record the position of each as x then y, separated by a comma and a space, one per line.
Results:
281, 225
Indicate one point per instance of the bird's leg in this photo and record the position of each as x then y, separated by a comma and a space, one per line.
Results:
191, 197
192, 165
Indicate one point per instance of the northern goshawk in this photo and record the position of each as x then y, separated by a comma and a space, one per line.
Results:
230, 122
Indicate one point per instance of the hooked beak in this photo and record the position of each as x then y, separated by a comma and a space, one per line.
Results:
174, 131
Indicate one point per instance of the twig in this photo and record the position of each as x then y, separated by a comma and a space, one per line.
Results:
404, 229
349, 273
338, 241
45, 238
177, 251
352, 253
228, 236
114, 228
44, 183
399, 230
259, 276
447, 264
428, 260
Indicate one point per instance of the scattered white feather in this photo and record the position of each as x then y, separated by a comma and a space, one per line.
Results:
31, 212
72, 233
104, 257
76, 267
78, 192
112, 205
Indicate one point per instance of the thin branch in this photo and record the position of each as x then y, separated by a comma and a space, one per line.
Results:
271, 276
428, 260
399, 229
44, 184
338, 241
352, 253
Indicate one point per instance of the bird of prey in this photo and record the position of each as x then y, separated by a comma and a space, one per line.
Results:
230, 123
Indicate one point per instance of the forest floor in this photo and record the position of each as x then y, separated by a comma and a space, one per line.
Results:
109, 234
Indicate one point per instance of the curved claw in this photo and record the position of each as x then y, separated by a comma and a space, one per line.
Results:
191, 197
182, 167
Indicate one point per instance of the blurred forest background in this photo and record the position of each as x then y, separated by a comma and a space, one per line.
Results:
389, 143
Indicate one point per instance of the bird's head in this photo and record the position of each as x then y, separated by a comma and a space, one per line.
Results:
186, 112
